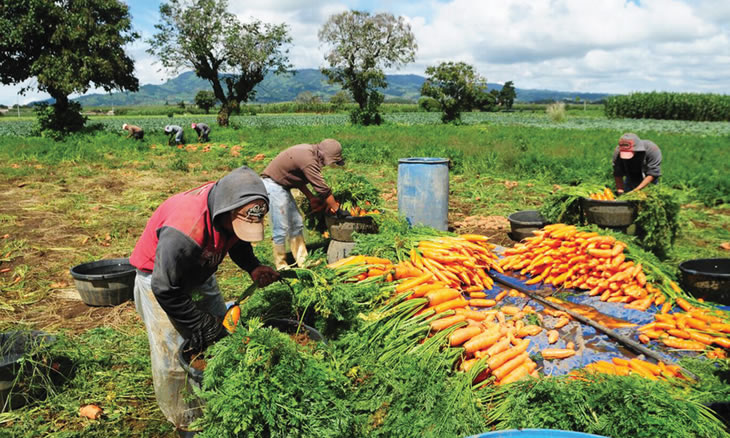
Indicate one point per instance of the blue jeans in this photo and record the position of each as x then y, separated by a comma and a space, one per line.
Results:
286, 221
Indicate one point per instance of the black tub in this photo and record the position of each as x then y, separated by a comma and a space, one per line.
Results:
342, 228
15, 390
707, 278
610, 214
284, 325
523, 223
105, 282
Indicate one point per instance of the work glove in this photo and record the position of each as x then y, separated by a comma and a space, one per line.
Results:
264, 275
208, 331
332, 205
340, 213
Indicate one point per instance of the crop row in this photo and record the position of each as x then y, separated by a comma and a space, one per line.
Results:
25, 127
670, 106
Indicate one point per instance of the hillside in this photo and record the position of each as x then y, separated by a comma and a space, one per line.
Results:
283, 88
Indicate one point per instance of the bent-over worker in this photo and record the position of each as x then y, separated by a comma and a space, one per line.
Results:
176, 134
202, 129
636, 163
134, 131
175, 289
296, 167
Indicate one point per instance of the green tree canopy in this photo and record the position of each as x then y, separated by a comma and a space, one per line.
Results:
233, 56
456, 86
68, 46
507, 95
360, 46
205, 100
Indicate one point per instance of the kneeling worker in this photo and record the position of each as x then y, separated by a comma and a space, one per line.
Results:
636, 163
296, 167
176, 134
202, 129
134, 131
175, 290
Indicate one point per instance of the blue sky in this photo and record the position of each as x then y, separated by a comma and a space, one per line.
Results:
611, 46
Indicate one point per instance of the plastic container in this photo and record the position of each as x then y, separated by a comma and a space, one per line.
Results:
13, 346
523, 223
284, 325
535, 433
707, 278
105, 282
337, 250
342, 228
423, 191
610, 214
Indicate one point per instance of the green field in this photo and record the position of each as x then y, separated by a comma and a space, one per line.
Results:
89, 196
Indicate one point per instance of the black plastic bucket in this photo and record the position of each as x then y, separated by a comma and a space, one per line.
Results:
609, 214
523, 223
708, 279
284, 325
342, 228
105, 282
13, 347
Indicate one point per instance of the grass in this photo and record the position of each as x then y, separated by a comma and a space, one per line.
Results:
89, 197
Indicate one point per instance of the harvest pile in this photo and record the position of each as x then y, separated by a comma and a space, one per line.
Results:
605, 195
694, 329
562, 256
642, 368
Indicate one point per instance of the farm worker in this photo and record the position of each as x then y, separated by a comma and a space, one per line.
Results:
175, 132
202, 129
296, 167
636, 163
134, 131
175, 289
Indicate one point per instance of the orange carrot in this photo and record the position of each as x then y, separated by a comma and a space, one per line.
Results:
681, 302
482, 341
556, 353
510, 310
423, 289
477, 295
517, 374
476, 302
499, 347
472, 314
528, 330
462, 335
451, 304
553, 336
439, 296
444, 323
498, 359
510, 365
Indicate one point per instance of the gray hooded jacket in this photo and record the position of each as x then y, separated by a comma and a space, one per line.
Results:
651, 160
301, 164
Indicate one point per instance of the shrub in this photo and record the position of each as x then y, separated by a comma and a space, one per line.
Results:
556, 111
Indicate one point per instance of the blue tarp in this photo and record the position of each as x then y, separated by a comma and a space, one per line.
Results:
591, 345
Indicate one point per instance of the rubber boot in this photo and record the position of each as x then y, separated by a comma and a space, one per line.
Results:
280, 257
298, 249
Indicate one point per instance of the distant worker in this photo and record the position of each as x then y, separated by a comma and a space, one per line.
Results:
296, 167
134, 131
176, 134
175, 289
203, 130
636, 163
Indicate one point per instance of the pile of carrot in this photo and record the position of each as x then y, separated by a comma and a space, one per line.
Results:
623, 367
606, 195
561, 255
694, 329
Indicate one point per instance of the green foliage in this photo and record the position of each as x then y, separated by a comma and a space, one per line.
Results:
55, 122
507, 95
205, 100
669, 106
259, 382
394, 239
429, 104
605, 405
455, 85
556, 111
360, 47
50, 42
233, 56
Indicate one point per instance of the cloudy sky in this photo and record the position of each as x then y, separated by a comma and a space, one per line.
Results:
611, 46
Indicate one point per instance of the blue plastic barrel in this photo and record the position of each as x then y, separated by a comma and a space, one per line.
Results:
535, 433
423, 191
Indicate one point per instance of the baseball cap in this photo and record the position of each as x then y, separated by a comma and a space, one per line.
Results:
628, 144
248, 221
124, 126
193, 125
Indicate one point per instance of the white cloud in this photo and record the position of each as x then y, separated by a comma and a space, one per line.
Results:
612, 46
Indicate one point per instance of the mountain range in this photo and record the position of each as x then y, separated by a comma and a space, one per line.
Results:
285, 88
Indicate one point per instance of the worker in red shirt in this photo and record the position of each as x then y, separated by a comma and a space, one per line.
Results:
175, 290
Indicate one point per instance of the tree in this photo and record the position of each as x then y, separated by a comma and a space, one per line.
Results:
507, 95
340, 99
360, 47
68, 47
233, 56
307, 98
205, 100
456, 86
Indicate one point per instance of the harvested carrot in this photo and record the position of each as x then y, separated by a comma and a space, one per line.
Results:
681, 302
682, 344
451, 304
413, 282
556, 353
644, 339
473, 314
562, 322
423, 289
476, 302
462, 335
500, 296
510, 365
439, 296
497, 360
230, 320
482, 341
499, 347
516, 375
510, 310
478, 295
528, 330
444, 323
553, 336
92, 412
